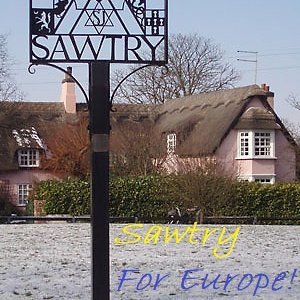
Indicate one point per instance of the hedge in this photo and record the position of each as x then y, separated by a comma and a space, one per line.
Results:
153, 196
71, 196
129, 196
264, 200
150, 196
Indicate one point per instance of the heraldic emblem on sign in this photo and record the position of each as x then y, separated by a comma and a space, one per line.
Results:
129, 31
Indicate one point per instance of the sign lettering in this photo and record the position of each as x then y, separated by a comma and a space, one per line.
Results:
120, 31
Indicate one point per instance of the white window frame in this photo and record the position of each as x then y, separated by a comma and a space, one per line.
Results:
171, 143
29, 158
247, 144
23, 193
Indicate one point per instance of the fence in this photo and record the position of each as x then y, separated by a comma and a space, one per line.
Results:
13, 219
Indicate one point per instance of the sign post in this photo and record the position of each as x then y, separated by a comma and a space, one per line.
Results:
99, 131
99, 32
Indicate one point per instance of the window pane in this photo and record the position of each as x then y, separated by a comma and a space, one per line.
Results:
244, 144
28, 158
263, 180
23, 194
262, 144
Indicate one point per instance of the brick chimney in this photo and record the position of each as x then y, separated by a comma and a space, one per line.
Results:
270, 95
68, 96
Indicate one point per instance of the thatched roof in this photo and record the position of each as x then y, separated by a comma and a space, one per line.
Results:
133, 113
24, 125
28, 124
257, 118
202, 121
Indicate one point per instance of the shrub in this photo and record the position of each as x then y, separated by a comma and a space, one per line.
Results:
71, 196
264, 200
150, 196
153, 196
210, 193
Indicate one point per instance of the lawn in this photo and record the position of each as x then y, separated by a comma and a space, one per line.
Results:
52, 261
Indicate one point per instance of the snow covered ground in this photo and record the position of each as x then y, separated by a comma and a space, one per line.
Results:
52, 261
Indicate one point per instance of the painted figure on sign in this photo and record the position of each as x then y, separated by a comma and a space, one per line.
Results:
60, 6
43, 19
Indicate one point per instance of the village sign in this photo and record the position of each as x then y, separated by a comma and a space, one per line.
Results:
99, 32
118, 31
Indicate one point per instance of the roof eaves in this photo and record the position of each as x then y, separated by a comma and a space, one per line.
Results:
278, 120
236, 119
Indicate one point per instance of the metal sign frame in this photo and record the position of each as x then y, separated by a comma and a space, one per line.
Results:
98, 46
98, 31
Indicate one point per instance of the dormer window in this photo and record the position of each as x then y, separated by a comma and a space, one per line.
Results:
29, 158
171, 143
253, 144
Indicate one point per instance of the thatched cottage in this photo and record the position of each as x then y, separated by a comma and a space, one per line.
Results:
236, 127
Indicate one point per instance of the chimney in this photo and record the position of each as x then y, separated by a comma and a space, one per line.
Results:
270, 95
68, 96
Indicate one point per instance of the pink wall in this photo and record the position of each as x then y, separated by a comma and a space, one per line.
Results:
284, 167
24, 177
227, 153
255, 103
286, 159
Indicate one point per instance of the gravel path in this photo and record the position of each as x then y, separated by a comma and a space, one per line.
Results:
52, 261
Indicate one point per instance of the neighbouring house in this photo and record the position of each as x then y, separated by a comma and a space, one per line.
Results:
24, 128
236, 127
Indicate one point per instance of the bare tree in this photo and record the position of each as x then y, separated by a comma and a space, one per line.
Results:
294, 129
8, 88
196, 65
69, 149
294, 101
136, 149
205, 184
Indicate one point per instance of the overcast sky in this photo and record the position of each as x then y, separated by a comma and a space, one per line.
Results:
269, 27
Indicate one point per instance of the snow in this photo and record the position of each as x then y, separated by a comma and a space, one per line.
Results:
25, 138
52, 261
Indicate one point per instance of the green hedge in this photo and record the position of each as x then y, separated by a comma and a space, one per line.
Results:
153, 196
129, 196
150, 196
71, 196
264, 200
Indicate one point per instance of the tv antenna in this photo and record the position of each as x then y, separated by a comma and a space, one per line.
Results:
250, 60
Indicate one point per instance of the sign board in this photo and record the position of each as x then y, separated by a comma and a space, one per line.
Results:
116, 31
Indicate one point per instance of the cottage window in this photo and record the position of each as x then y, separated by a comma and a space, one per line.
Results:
28, 158
262, 142
265, 178
171, 143
23, 193
244, 142
256, 144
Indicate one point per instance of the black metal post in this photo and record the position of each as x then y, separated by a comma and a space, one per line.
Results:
99, 90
